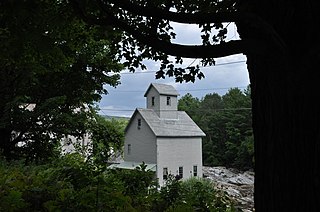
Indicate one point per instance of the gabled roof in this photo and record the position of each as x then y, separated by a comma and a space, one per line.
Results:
183, 126
163, 89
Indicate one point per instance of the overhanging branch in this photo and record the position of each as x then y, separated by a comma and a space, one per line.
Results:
194, 51
201, 18
188, 51
187, 18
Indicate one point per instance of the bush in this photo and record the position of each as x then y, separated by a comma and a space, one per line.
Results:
67, 184
194, 194
201, 195
71, 183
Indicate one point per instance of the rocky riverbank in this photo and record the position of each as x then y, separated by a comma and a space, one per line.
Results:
238, 185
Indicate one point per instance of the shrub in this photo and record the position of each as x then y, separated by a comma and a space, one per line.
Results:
202, 196
71, 183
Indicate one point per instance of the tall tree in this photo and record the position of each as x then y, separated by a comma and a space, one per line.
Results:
280, 40
189, 104
227, 123
52, 65
237, 112
107, 138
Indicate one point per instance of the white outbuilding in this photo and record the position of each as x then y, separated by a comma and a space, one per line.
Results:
168, 141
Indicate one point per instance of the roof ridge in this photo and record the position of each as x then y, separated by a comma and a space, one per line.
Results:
165, 89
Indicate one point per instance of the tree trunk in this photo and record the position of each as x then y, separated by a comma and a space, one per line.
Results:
6, 147
286, 124
286, 108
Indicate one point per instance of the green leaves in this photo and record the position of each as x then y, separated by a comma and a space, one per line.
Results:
188, 74
194, 194
57, 62
13, 201
227, 122
72, 183
107, 136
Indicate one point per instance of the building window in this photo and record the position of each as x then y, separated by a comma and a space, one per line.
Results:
139, 124
195, 171
165, 173
168, 100
152, 101
180, 171
129, 149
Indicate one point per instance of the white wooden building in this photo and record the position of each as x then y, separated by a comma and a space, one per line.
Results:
167, 140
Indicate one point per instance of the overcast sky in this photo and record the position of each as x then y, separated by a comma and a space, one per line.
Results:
229, 72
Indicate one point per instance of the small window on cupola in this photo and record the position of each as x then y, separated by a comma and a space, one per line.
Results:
168, 100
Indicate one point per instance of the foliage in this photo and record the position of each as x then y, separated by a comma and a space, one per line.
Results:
69, 183
53, 67
189, 104
170, 195
194, 194
107, 137
201, 195
72, 183
137, 184
227, 122
148, 32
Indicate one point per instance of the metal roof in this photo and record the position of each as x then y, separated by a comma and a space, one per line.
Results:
182, 126
132, 165
163, 89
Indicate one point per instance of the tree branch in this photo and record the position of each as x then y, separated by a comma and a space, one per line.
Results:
202, 18
187, 18
188, 51
195, 51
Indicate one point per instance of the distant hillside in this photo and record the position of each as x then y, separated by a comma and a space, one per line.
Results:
115, 117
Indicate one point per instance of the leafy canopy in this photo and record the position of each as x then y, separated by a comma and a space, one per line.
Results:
54, 67
227, 123
148, 31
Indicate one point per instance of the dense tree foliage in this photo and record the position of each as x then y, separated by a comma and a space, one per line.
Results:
107, 137
227, 123
280, 41
72, 183
53, 67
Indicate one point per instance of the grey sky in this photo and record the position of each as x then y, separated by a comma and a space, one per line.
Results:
229, 72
